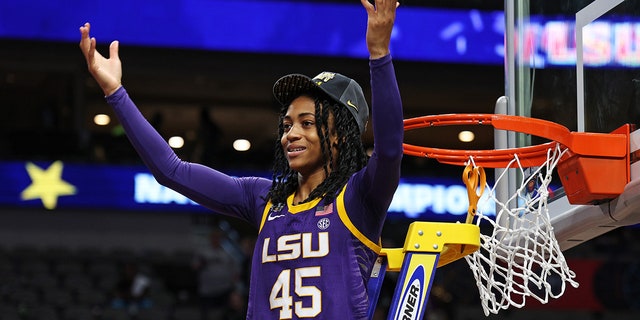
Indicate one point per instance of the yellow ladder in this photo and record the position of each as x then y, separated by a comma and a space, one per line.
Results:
427, 246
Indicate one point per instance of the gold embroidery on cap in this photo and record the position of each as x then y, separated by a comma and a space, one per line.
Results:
324, 77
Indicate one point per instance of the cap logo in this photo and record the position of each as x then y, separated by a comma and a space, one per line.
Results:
324, 77
350, 104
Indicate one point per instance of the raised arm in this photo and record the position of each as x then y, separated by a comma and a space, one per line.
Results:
211, 188
380, 178
386, 105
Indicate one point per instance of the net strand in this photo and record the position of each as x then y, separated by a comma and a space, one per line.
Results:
521, 258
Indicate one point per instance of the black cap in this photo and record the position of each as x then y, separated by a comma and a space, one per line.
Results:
346, 91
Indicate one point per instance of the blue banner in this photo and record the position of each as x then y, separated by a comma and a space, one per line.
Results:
62, 185
286, 27
54, 185
321, 29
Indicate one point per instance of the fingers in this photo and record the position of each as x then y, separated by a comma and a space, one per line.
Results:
86, 43
386, 6
368, 5
377, 5
84, 32
91, 50
383, 11
113, 50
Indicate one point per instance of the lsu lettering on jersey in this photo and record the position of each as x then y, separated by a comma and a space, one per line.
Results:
313, 263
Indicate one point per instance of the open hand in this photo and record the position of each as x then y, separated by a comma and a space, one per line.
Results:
381, 18
107, 72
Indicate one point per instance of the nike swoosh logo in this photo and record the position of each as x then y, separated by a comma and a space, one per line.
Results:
350, 104
270, 217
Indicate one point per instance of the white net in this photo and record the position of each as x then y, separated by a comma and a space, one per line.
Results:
521, 258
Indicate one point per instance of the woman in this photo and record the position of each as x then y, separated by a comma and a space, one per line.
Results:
320, 218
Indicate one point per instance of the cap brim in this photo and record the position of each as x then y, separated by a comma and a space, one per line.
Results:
290, 86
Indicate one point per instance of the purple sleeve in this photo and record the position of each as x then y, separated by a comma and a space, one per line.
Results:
238, 197
371, 190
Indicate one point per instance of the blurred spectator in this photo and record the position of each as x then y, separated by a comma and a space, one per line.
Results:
247, 244
209, 137
217, 277
132, 289
237, 309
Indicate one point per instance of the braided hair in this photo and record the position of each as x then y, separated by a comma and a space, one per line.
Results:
351, 153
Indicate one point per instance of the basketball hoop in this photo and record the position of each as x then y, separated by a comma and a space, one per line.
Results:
521, 256
595, 168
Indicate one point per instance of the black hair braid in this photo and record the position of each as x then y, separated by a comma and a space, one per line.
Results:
351, 155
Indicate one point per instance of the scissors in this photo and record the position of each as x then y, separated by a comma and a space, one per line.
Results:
473, 178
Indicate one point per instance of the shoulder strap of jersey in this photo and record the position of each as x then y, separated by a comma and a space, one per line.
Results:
265, 212
344, 217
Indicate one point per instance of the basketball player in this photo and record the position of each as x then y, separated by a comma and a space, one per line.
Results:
320, 219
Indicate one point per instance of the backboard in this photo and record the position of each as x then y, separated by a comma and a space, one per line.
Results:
574, 63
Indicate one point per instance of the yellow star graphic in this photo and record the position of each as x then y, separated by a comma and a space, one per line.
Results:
47, 185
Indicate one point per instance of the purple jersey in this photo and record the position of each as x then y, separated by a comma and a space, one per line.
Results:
311, 260
314, 263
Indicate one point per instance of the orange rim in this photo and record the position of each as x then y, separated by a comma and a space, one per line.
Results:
500, 158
